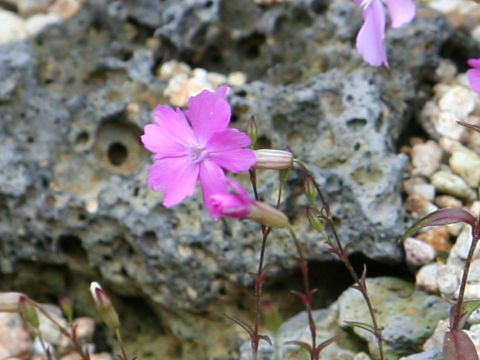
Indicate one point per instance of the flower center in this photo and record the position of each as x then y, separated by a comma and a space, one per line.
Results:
198, 153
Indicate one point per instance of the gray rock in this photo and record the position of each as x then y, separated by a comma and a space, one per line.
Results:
408, 316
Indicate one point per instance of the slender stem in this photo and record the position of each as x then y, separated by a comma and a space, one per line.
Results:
461, 293
308, 293
343, 255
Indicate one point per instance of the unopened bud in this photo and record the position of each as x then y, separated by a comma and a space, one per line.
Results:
9, 301
268, 215
104, 306
316, 223
67, 306
273, 159
310, 190
252, 130
28, 312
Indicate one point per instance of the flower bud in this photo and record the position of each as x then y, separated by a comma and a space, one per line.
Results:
252, 130
104, 306
273, 159
310, 190
28, 312
268, 215
67, 306
316, 223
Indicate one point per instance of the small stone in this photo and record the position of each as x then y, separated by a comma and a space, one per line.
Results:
445, 6
448, 280
426, 278
474, 208
438, 238
66, 8
172, 68
426, 158
458, 100
50, 331
460, 249
446, 125
236, 79
14, 338
427, 191
417, 252
27, 8
37, 23
12, 27
436, 340
445, 71
418, 205
450, 145
444, 201
452, 184
101, 356
85, 327
467, 165
409, 184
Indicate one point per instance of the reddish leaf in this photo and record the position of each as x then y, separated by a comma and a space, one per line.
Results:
302, 344
324, 344
457, 345
442, 217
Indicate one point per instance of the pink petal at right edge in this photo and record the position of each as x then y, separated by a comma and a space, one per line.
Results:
370, 38
401, 12
208, 112
475, 63
236, 161
177, 176
473, 76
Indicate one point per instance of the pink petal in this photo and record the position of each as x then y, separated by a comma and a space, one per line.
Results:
234, 160
473, 76
161, 142
475, 63
208, 113
228, 139
401, 12
212, 181
177, 176
235, 204
175, 123
372, 34
230, 205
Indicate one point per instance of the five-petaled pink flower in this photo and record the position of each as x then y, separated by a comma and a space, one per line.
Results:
474, 74
370, 38
199, 148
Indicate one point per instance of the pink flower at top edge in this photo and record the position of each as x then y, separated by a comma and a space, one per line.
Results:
195, 145
234, 203
474, 74
370, 39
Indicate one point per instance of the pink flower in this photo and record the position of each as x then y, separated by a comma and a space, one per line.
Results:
237, 204
474, 74
234, 203
199, 148
370, 38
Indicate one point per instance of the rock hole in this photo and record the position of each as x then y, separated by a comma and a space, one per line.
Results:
356, 124
117, 153
71, 245
82, 138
